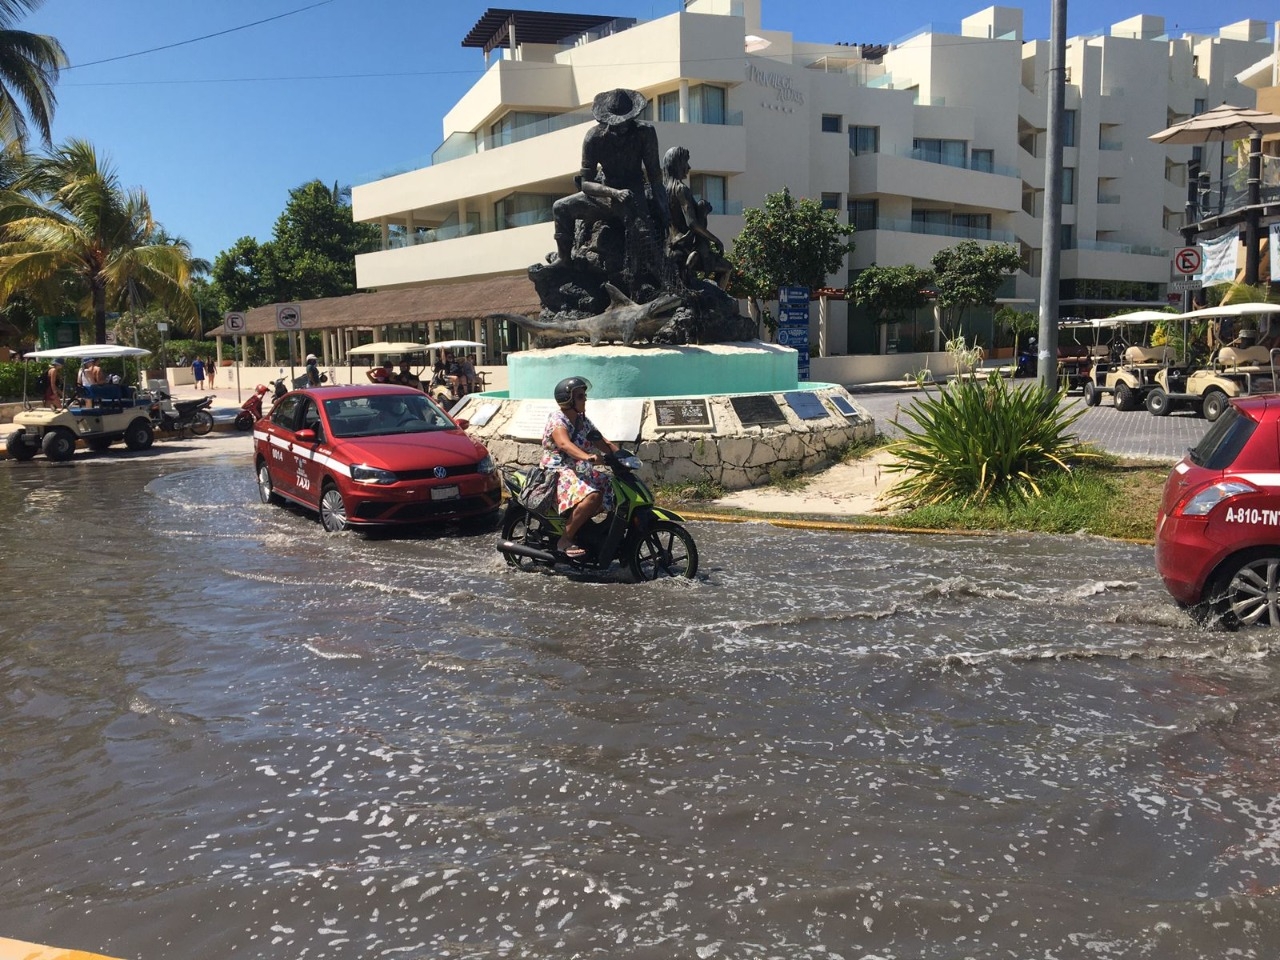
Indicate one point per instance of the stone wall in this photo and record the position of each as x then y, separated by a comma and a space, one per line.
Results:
730, 454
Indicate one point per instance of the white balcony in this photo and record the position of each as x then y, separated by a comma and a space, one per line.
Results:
503, 251
886, 174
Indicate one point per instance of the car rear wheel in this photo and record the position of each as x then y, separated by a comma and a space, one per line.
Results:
19, 449
1091, 395
333, 510
139, 436
1158, 403
1246, 593
59, 445
266, 489
1125, 398
202, 423
1215, 404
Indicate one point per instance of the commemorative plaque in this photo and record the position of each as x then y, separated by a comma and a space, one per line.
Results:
757, 410
845, 407
806, 405
682, 414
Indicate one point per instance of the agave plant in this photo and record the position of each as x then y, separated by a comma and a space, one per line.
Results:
981, 438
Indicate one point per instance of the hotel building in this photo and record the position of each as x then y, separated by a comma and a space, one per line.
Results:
919, 143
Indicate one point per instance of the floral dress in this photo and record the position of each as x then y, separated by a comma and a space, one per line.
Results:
577, 479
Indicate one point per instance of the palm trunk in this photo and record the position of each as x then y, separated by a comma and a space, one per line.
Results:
99, 313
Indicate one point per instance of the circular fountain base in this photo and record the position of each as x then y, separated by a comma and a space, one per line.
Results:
732, 415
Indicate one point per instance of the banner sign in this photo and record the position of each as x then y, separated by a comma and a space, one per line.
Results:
1219, 260
1274, 231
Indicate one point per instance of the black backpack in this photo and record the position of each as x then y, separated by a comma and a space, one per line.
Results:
42, 381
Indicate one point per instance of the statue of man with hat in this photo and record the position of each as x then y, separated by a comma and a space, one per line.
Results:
620, 184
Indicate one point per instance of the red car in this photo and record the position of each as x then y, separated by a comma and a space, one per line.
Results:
372, 455
1218, 531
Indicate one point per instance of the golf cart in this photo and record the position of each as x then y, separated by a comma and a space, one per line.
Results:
1076, 359
117, 412
384, 350
1129, 372
443, 388
1238, 369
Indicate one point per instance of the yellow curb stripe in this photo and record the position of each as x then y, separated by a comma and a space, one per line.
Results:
837, 526
21, 950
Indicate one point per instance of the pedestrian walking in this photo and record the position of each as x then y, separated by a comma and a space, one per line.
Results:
197, 371
212, 370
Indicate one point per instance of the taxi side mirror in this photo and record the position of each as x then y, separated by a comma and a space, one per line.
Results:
462, 423
305, 436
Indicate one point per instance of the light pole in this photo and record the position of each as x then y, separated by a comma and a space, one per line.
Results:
1051, 237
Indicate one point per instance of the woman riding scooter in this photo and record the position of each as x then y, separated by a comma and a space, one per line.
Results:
572, 445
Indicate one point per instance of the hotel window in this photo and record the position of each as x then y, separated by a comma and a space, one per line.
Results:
975, 226
1067, 237
953, 153
1068, 184
669, 107
518, 125
984, 160
522, 209
1068, 128
864, 140
831, 123
934, 222
831, 201
707, 104
864, 214
711, 188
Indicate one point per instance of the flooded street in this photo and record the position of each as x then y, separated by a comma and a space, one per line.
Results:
228, 734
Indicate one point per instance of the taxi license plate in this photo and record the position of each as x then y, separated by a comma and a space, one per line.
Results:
444, 493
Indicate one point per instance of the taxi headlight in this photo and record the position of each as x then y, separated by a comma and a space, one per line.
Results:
486, 466
361, 473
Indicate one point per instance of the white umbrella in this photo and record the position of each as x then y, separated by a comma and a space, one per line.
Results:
1223, 122
104, 351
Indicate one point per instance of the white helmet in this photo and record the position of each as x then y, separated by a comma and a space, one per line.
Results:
310, 357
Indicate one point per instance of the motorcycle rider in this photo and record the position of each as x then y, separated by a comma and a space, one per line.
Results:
313, 371
572, 446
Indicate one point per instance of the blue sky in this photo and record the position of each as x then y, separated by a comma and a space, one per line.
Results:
217, 131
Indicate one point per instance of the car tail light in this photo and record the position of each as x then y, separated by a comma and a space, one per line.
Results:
1202, 502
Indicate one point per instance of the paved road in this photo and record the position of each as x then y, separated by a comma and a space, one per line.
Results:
1132, 434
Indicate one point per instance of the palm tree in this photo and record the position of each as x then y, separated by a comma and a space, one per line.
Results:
68, 224
29, 66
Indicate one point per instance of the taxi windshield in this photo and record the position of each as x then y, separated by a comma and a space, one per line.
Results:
384, 415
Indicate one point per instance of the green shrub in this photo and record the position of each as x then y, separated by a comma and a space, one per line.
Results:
983, 438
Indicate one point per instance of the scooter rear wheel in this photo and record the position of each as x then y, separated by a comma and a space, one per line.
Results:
667, 550
521, 526
202, 423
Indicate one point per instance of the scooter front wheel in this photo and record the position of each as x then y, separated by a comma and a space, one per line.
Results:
667, 550
202, 423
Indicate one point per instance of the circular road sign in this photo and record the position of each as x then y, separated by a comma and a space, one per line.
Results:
289, 316
1187, 261
234, 322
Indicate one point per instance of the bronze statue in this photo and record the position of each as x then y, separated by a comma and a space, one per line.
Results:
696, 249
619, 185
625, 248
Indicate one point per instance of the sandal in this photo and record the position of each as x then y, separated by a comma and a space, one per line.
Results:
572, 551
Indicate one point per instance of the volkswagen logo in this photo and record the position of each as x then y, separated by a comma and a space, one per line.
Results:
440, 472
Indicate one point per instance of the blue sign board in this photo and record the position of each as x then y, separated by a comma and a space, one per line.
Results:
793, 325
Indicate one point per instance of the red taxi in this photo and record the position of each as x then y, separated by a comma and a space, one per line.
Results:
372, 454
1218, 531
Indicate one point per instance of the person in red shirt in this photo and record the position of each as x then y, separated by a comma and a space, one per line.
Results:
381, 374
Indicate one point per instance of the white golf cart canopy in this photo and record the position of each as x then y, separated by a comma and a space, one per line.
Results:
1137, 316
381, 347
1236, 310
454, 345
101, 351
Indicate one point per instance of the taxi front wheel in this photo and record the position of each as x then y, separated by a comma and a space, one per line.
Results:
333, 510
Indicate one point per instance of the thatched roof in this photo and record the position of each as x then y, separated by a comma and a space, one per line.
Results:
465, 300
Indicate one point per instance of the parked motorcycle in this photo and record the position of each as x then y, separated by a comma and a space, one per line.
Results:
186, 415
648, 539
251, 410
279, 388
1028, 360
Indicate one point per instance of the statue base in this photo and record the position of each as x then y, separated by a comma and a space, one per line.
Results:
729, 414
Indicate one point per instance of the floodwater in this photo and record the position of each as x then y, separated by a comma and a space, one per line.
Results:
227, 734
